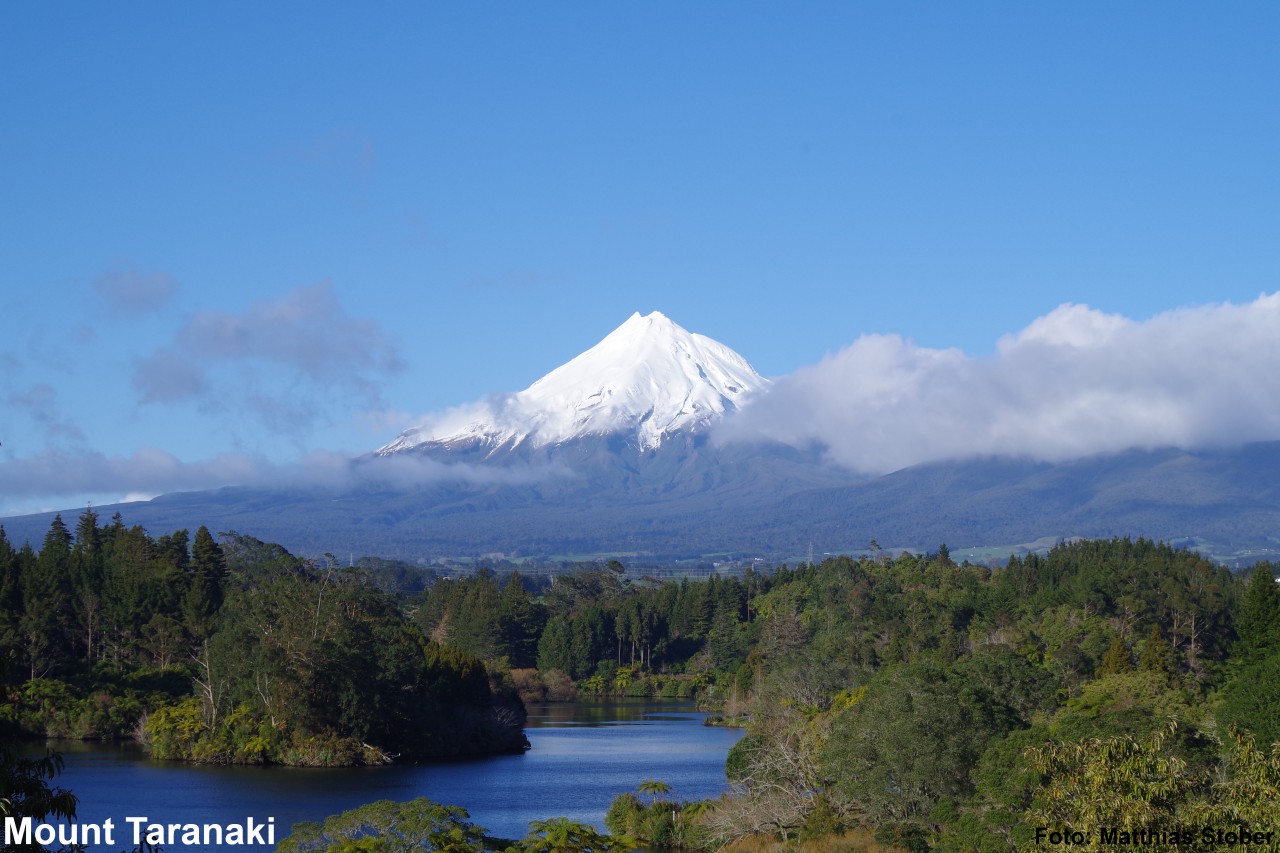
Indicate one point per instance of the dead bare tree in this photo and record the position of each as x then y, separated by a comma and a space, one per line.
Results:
207, 687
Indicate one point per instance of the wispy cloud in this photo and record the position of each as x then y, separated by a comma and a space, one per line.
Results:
305, 330
40, 403
168, 376
1074, 382
509, 280
132, 291
305, 338
54, 473
341, 149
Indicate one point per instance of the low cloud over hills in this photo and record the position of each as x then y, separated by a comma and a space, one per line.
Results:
1074, 383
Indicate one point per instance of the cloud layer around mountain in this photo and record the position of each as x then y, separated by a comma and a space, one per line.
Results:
151, 471
1073, 383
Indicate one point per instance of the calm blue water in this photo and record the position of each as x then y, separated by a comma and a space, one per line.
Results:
582, 756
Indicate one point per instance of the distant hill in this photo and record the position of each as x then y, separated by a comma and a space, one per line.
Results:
694, 500
612, 453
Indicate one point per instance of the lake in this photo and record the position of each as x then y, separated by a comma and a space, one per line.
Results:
582, 755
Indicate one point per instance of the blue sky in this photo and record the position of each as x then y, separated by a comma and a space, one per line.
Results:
239, 236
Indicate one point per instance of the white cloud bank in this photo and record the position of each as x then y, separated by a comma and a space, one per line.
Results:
1073, 383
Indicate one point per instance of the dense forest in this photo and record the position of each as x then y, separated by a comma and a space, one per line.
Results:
911, 701
889, 702
231, 652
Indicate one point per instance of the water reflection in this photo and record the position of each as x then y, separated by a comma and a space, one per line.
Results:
611, 713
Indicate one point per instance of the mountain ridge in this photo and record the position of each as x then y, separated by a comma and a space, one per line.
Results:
1213, 500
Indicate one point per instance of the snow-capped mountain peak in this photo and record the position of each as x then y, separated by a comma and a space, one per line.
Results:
647, 379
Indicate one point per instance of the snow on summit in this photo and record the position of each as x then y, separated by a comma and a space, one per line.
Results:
649, 378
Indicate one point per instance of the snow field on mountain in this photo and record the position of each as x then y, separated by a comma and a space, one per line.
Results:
648, 379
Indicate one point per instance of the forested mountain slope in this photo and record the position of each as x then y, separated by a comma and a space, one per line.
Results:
691, 498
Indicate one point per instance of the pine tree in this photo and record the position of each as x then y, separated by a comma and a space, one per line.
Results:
87, 564
46, 595
204, 594
10, 607
473, 618
519, 623
1157, 655
126, 596
1258, 625
1116, 660
554, 649
87, 550
207, 555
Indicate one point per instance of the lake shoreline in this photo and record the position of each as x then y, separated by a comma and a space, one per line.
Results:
582, 755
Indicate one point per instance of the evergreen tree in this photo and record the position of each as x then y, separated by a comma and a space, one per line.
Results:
87, 551
473, 617
1258, 625
126, 597
204, 593
207, 556
554, 651
519, 623
1251, 698
174, 550
87, 578
1116, 660
10, 608
46, 596
1157, 655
